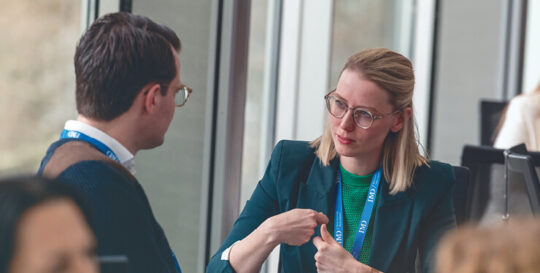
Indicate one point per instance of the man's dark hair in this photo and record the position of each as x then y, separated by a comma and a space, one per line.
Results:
116, 57
17, 196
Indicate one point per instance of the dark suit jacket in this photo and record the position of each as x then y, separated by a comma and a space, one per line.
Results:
121, 216
404, 223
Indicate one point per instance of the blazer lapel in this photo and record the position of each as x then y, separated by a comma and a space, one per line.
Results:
316, 193
392, 219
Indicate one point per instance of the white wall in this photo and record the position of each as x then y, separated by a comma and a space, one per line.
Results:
531, 72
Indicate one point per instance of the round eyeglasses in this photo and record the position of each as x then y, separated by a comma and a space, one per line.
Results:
182, 96
363, 118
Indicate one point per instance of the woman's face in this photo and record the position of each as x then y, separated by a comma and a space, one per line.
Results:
351, 140
54, 238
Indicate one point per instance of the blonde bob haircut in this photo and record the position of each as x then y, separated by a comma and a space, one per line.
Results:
392, 72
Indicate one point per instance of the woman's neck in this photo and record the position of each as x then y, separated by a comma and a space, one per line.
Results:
360, 165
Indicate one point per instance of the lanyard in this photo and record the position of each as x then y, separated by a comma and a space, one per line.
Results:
176, 265
366, 213
71, 134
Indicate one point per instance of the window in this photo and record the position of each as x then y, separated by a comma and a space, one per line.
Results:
37, 79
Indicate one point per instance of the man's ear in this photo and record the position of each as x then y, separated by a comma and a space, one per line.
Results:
399, 119
151, 96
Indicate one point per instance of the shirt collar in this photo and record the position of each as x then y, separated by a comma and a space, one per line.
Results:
126, 158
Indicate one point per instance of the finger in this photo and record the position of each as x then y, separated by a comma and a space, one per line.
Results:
318, 242
325, 235
321, 218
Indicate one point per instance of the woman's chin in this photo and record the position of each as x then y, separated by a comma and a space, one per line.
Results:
344, 151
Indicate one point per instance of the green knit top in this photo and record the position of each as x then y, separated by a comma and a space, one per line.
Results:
355, 190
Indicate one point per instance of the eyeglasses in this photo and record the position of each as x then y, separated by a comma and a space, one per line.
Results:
182, 96
361, 116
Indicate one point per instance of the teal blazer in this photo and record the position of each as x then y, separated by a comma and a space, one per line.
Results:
405, 224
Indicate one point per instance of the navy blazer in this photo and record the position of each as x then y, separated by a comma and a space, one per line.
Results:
405, 224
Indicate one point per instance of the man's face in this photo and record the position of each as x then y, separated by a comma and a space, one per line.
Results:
167, 105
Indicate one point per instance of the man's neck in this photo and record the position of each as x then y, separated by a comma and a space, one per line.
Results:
116, 129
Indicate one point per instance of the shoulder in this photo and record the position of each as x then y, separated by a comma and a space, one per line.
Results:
65, 153
49, 153
94, 168
293, 152
295, 147
524, 103
433, 178
98, 177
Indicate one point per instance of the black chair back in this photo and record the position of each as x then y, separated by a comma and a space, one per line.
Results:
479, 160
490, 114
486, 167
524, 165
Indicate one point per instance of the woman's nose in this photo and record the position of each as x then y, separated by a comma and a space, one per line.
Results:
347, 122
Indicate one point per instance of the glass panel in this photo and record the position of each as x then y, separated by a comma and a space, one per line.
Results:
37, 79
363, 24
254, 158
468, 71
172, 173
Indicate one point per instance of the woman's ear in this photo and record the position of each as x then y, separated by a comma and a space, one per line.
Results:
152, 95
399, 119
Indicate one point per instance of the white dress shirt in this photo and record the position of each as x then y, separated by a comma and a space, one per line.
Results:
126, 158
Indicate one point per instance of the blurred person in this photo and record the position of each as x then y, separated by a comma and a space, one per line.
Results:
520, 122
44, 227
508, 248
384, 199
127, 89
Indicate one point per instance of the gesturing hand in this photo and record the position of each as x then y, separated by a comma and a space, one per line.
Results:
332, 257
294, 227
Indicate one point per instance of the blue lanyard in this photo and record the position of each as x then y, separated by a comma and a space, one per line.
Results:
71, 134
176, 265
366, 213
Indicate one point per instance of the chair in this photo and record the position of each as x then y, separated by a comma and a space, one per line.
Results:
490, 114
114, 264
486, 190
524, 165
479, 160
460, 193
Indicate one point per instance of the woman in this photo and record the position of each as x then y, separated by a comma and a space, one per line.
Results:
365, 172
508, 248
521, 122
44, 229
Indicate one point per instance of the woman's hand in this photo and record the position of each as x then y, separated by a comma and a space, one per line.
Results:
294, 227
331, 257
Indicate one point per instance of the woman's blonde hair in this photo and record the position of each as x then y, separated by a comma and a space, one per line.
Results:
392, 72
508, 248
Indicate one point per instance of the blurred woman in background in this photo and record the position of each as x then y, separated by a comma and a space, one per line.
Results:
508, 248
44, 227
521, 122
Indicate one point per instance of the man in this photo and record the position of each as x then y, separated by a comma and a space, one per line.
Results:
128, 85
